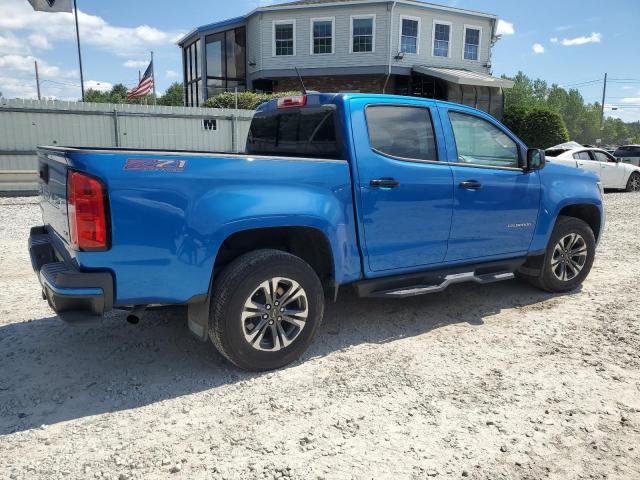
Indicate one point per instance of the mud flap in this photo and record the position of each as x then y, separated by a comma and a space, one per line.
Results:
198, 319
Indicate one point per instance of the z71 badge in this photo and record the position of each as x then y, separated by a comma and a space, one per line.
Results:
157, 165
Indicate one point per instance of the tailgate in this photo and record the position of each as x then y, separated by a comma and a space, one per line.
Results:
52, 168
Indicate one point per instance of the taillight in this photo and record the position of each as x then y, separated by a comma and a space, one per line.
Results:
87, 212
292, 102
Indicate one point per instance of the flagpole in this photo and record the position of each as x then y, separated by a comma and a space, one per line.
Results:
75, 9
153, 75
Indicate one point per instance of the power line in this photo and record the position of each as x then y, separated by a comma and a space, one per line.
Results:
60, 83
582, 81
579, 84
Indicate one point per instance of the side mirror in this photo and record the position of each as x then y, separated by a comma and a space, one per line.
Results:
536, 160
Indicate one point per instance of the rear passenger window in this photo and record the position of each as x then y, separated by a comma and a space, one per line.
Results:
402, 132
479, 142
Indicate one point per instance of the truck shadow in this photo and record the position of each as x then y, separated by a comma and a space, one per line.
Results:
53, 372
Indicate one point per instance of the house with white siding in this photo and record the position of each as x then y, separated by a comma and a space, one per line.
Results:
405, 47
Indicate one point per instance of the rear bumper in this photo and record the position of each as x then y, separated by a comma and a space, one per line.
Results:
74, 295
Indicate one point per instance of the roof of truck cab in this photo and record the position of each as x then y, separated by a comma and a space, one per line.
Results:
324, 99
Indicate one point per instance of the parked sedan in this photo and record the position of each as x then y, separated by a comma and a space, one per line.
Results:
612, 171
628, 154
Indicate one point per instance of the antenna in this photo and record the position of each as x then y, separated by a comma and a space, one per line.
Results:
304, 89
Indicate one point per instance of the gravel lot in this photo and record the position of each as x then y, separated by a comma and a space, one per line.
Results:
481, 382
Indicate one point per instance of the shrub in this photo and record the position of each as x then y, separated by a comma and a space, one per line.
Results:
246, 100
545, 128
538, 127
514, 119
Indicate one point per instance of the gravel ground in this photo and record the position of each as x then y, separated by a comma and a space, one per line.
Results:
482, 382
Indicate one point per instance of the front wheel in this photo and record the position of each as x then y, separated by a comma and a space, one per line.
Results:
266, 307
569, 256
633, 185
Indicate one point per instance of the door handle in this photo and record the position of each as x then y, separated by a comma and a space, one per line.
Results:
471, 185
384, 183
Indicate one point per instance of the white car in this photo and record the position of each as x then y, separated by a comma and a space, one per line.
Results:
612, 172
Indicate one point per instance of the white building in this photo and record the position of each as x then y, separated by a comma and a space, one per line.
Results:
404, 47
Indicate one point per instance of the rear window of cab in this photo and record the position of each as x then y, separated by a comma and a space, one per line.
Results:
300, 132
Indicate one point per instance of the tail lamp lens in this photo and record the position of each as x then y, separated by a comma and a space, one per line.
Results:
87, 212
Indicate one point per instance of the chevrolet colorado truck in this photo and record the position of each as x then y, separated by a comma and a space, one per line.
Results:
393, 196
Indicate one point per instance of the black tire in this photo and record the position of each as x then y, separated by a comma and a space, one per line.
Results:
633, 184
547, 280
232, 289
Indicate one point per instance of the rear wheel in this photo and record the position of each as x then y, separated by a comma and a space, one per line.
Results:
265, 310
633, 185
569, 256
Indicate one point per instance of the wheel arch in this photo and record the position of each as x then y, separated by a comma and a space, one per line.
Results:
310, 244
588, 213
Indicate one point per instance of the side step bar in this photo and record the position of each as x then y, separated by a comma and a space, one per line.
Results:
433, 281
448, 280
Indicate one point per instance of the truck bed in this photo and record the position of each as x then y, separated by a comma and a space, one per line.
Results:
170, 211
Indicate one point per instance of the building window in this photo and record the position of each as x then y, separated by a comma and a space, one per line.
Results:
226, 61
192, 75
409, 34
363, 32
284, 34
441, 39
471, 42
322, 31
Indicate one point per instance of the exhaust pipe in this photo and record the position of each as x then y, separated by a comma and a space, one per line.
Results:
135, 314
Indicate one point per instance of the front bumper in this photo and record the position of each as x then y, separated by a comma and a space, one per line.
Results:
74, 295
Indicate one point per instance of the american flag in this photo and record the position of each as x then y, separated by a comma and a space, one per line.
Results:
145, 85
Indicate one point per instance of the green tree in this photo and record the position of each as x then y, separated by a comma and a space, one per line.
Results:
173, 96
615, 131
582, 120
573, 112
557, 98
540, 91
521, 94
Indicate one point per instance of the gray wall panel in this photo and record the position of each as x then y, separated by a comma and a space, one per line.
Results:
26, 124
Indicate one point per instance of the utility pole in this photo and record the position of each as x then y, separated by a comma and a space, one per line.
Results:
37, 80
604, 95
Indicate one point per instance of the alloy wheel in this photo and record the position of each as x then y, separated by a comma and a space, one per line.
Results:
274, 314
569, 257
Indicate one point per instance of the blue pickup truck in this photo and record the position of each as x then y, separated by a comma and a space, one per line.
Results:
393, 196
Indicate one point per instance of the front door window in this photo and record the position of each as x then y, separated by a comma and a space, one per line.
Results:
480, 143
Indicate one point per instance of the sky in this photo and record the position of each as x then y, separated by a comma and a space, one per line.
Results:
568, 42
